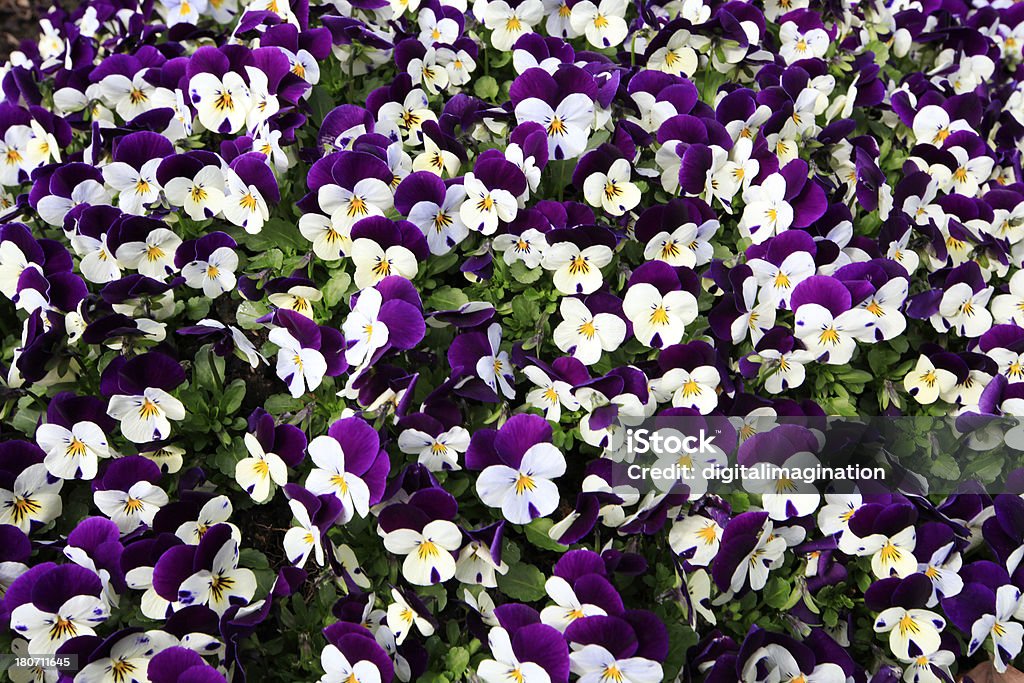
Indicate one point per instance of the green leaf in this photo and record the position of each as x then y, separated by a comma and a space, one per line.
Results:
233, 396
198, 307
446, 298
777, 592
520, 273
525, 311
253, 559
336, 287
681, 638
456, 661
208, 371
537, 534
855, 376
282, 403
945, 467
277, 233
523, 582
272, 259
486, 87
248, 313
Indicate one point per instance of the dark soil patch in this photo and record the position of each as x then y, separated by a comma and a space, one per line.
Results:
19, 20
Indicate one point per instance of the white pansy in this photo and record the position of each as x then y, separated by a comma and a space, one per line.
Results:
526, 492
374, 263
146, 417
612, 191
255, 473
586, 335
659, 320
221, 103
428, 553
576, 271
72, 453
302, 368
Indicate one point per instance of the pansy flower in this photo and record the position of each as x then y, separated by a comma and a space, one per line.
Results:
216, 510
206, 574
307, 352
507, 24
886, 535
249, 186
587, 334
610, 190
578, 592
436, 448
913, 631
63, 603
749, 551
70, 185
209, 263
139, 398
434, 208
491, 191
128, 493
780, 264
518, 465
825, 321
352, 654
428, 551
272, 449
985, 613
563, 103
315, 515
403, 614
381, 248
349, 464
576, 257
551, 394
73, 437
29, 497
200, 195
533, 653
133, 171
656, 306
148, 247
479, 355
222, 101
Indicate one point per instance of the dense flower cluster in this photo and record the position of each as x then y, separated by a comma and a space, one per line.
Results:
319, 320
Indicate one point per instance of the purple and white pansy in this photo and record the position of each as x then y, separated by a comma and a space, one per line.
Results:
327, 322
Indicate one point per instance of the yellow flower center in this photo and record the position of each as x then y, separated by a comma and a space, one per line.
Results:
22, 507
148, 409
248, 202
224, 101
829, 336
218, 585
659, 316
63, 628
707, 534
579, 266
427, 549
524, 483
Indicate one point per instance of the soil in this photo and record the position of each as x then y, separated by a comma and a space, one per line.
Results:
19, 20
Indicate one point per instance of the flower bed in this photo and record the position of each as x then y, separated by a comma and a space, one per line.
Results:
323, 325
